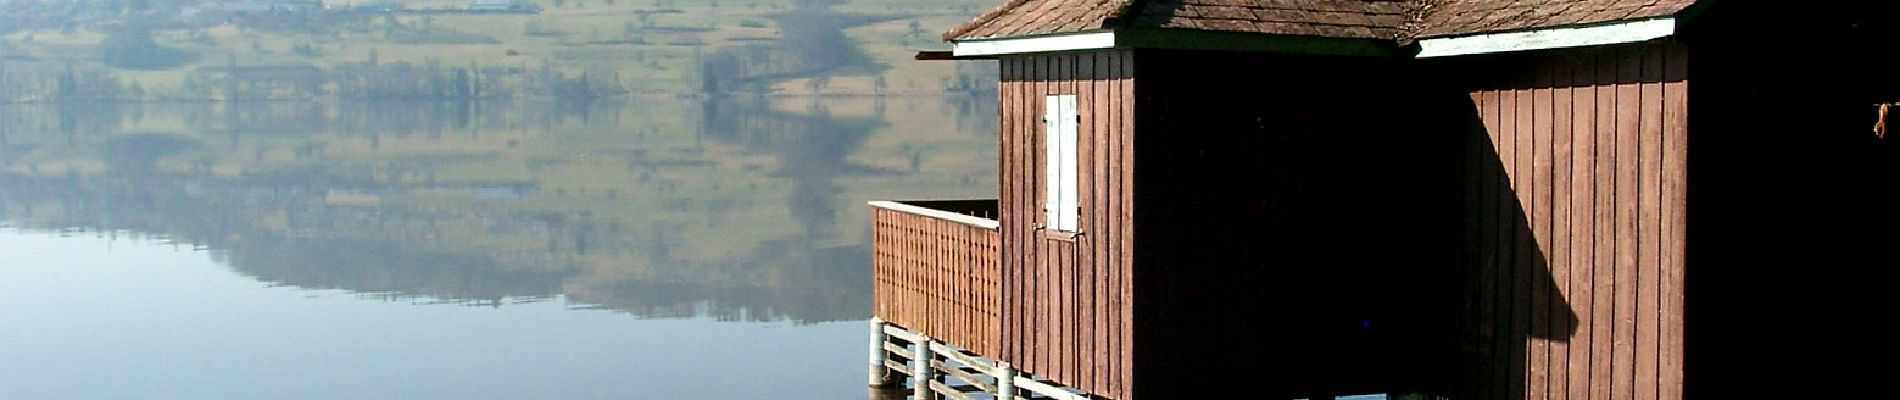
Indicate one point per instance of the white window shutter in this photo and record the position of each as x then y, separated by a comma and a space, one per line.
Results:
1071, 202
1061, 124
1052, 141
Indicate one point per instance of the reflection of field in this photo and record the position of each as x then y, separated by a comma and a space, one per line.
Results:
651, 208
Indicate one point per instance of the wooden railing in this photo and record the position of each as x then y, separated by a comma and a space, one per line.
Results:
937, 270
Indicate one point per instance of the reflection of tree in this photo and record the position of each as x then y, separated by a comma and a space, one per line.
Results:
811, 149
811, 43
378, 266
801, 283
137, 154
131, 47
353, 256
331, 213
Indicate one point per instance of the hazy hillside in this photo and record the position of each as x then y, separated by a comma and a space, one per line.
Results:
121, 50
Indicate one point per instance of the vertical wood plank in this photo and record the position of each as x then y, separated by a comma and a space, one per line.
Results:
1036, 346
1044, 254
1071, 356
1583, 217
1012, 181
1675, 175
1005, 210
1024, 178
1113, 226
1604, 316
1492, 241
1523, 240
1102, 224
1063, 290
1558, 253
1125, 287
1006, 206
1118, 226
1649, 225
1064, 319
1538, 211
1506, 229
1464, 376
1104, 208
1057, 279
1089, 205
1077, 316
1628, 130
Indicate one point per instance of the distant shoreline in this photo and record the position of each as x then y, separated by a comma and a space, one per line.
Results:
643, 97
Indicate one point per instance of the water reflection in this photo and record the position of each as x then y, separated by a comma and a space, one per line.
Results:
739, 210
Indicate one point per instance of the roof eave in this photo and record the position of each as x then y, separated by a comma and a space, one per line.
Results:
1048, 43
1619, 32
1174, 39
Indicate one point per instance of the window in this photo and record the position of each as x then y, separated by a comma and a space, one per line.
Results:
1059, 122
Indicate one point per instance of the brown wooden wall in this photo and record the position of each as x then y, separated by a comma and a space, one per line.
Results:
1517, 225
1572, 268
937, 277
1065, 298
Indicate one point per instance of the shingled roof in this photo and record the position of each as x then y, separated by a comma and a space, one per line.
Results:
1401, 20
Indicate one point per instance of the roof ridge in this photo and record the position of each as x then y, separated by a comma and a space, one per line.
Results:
1119, 18
981, 20
1417, 11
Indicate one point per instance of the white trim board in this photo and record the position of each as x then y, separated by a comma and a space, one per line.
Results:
1170, 39
1542, 39
1554, 38
1034, 44
985, 223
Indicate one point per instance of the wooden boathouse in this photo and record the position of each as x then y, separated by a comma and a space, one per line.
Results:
1465, 199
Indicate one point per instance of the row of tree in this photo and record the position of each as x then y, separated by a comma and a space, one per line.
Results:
811, 44
66, 82
39, 82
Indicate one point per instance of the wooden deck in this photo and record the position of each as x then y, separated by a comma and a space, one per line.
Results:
936, 270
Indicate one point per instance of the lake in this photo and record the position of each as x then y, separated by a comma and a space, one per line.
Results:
666, 248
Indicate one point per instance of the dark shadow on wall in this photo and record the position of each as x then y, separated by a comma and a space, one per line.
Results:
1506, 300
1348, 232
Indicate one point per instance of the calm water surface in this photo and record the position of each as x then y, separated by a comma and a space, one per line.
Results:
662, 249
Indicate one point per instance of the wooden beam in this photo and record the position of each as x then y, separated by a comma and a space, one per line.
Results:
1045, 389
958, 355
946, 55
970, 379
948, 391
899, 332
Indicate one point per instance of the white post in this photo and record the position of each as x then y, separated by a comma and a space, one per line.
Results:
1005, 381
880, 376
920, 370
